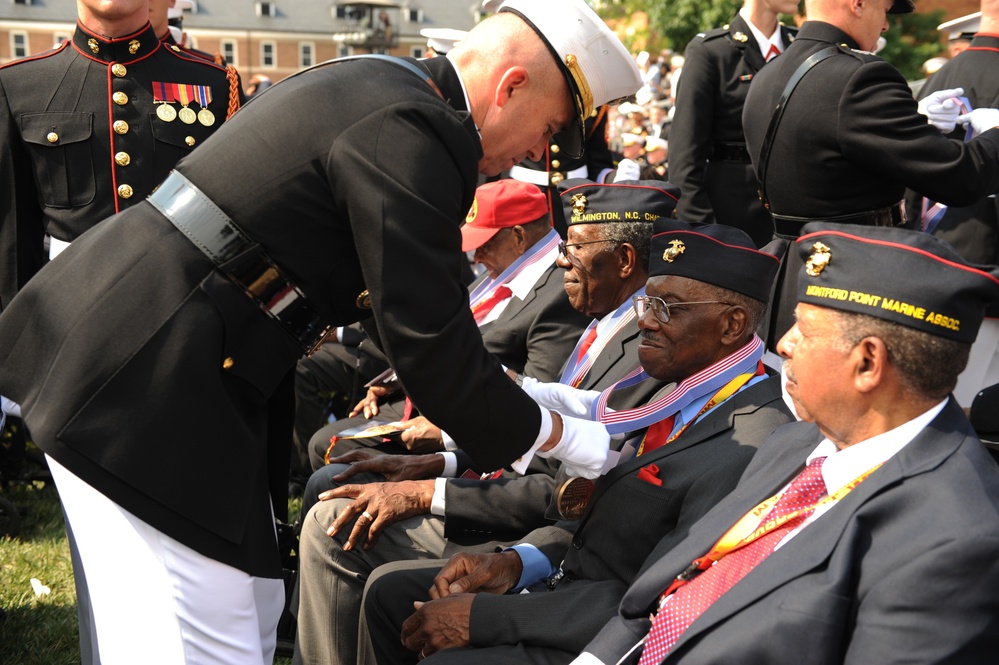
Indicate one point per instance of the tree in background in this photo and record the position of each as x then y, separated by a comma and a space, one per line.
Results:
912, 38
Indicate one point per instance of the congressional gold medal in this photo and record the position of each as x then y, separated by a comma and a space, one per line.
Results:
206, 117
573, 497
187, 116
166, 113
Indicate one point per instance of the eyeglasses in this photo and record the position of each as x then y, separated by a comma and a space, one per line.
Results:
660, 308
563, 248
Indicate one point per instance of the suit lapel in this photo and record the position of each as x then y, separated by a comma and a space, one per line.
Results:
611, 356
515, 305
716, 421
927, 451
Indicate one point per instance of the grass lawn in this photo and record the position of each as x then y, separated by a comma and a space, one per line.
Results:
42, 629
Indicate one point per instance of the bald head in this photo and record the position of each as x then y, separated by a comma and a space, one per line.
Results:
499, 43
519, 97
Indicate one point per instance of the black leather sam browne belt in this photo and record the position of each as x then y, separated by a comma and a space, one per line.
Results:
240, 259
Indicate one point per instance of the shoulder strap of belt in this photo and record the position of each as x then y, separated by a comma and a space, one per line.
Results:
799, 73
401, 62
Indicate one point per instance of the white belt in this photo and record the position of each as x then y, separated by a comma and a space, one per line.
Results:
545, 178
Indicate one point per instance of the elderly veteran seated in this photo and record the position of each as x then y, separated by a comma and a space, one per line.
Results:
868, 533
425, 516
685, 450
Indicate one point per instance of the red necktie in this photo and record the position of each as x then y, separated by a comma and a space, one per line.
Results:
772, 53
656, 435
501, 293
587, 343
693, 598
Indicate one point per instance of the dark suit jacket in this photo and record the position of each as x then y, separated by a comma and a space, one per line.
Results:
116, 350
471, 504
534, 336
63, 167
718, 67
624, 521
973, 230
903, 569
851, 126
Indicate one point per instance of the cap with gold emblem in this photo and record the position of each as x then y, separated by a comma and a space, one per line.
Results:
597, 67
715, 254
912, 279
587, 202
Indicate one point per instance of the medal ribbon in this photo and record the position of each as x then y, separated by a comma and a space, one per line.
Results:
749, 528
182, 93
203, 94
538, 252
712, 377
577, 367
727, 391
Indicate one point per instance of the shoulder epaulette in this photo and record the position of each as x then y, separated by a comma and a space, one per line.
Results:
61, 46
713, 34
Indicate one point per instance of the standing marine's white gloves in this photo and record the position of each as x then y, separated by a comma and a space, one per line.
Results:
583, 448
559, 397
942, 108
981, 120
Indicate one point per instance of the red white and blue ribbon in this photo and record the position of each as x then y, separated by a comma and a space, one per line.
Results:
711, 378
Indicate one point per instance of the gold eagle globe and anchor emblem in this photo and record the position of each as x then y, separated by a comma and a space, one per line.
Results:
578, 204
818, 260
675, 249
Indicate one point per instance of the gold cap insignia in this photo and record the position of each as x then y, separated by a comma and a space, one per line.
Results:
818, 260
740, 37
133, 46
363, 300
472, 212
95, 48
578, 204
676, 249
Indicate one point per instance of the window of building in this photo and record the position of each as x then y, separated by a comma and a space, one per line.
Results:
266, 9
18, 44
350, 13
228, 48
416, 51
22, 2
268, 54
412, 15
344, 51
306, 51
60, 37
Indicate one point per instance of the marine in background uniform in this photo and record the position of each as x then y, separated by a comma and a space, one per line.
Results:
850, 139
90, 128
972, 230
708, 158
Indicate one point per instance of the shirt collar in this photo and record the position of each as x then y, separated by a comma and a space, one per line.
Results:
762, 40
464, 90
843, 466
